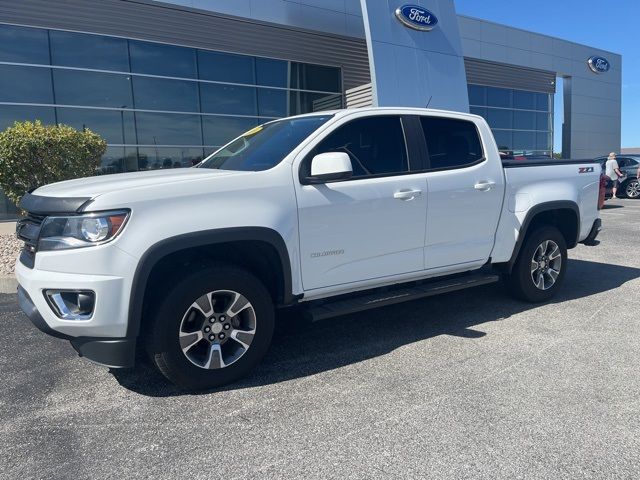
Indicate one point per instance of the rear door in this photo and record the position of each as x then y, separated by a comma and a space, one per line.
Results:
372, 225
465, 194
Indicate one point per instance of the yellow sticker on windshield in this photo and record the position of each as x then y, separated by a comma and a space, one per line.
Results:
253, 131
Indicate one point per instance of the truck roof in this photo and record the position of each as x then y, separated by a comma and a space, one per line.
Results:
408, 110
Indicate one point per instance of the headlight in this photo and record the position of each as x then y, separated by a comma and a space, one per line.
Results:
61, 233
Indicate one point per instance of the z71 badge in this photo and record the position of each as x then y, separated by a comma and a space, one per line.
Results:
585, 169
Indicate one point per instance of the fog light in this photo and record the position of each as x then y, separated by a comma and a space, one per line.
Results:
71, 304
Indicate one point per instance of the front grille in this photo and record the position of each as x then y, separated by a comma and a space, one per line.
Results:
28, 230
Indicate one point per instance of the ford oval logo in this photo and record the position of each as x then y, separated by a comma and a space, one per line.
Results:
414, 16
599, 64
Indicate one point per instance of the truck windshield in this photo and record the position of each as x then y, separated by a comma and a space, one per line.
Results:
264, 146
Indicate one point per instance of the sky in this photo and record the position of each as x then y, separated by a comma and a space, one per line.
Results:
612, 26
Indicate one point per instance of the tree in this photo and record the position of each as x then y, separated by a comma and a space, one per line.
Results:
33, 155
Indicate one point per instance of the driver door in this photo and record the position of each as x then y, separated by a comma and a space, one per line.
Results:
372, 225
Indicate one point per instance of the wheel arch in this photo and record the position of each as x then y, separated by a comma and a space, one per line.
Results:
232, 242
562, 214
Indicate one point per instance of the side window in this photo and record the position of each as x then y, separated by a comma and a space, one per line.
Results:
452, 143
375, 145
623, 162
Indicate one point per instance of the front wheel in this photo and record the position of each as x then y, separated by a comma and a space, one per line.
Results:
541, 266
212, 328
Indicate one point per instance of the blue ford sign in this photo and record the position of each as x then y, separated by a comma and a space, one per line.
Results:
417, 17
599, 64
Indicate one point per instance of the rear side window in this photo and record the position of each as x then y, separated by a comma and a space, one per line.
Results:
626, 162
452, 143
375, 145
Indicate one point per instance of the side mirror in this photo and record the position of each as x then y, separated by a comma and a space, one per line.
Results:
330, 167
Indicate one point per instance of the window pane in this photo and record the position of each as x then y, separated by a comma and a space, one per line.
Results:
8, 210
272, 103
524, 100
271, 73
315, 77
543, 121
524, 140
306, 102
24, 45
19, 113
479, 111
524, 120
151, 158
89, 51
376, 145
542, 102
158, 59
499, 97
229, 99
543, 141
25, 84
114, 126
500, 118
225, 67
163, 94
451, 143
117, 160
477, 95
168, 129
504, 139
92, 89
219, 131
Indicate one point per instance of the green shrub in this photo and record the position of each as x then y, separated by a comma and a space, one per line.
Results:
33, 155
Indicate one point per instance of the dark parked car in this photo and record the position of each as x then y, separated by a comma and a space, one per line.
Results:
629, 186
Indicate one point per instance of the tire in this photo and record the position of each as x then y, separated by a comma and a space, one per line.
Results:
521, 281
183, 338
631, 189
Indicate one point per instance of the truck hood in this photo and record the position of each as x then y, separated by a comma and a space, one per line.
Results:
94, 186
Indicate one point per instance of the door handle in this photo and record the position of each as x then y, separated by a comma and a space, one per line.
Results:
484, 186
407, 195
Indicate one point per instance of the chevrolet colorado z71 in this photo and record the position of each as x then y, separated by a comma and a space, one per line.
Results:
335, 211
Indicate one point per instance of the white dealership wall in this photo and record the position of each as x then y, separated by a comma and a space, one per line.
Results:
592, 101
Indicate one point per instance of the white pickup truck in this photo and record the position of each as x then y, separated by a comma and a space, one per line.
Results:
335, 212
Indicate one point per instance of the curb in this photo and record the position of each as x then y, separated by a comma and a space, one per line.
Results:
8, 284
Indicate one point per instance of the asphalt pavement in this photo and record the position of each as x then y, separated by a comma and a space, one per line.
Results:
471, 384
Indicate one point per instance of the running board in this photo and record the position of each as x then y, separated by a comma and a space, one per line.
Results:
366, 301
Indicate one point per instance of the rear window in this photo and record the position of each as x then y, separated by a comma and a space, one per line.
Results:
452, 143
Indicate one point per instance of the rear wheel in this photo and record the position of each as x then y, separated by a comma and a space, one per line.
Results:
212, 328
632, 189
540, 267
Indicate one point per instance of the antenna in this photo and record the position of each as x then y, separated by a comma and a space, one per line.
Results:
429, 102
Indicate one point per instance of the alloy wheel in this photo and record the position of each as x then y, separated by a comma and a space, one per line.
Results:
217, 329
546, 264
633, 189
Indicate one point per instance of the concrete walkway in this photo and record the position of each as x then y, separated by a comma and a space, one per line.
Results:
8, 283
7, 227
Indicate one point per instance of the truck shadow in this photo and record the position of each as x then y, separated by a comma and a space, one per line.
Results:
301, 348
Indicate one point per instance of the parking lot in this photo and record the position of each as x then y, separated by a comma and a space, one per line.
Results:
470, 384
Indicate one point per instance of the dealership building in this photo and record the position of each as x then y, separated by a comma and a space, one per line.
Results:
166, 82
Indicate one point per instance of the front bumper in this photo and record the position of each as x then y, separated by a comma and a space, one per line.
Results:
111, 352
106, 271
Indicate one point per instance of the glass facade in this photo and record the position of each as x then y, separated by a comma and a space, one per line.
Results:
521, 121
156, 105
